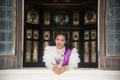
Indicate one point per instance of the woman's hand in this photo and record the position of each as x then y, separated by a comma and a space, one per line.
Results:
63, 69
57, 70
60, 70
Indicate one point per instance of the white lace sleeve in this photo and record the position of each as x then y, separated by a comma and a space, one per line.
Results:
48, 58
74, 59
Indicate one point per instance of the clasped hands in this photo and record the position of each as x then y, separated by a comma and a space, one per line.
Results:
60, 70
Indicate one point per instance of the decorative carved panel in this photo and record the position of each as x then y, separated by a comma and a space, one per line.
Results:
76, 45
35, 51
45, 43
93, 34
47, 18
86, 52
33, 17
28, 33
86, 35
35, 34
46, 35
75, 35
93, 51
76, 20
28, 51
90, 17
61, 19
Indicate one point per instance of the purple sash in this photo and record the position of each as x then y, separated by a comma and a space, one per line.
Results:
66, 57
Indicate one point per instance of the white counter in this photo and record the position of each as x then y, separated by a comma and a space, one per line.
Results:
45, 74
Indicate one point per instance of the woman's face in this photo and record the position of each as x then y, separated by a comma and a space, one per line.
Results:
60, 41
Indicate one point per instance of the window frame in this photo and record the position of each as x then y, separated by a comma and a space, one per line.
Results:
14, 31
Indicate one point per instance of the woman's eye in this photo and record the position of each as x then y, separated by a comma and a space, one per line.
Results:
63, 40
57, 39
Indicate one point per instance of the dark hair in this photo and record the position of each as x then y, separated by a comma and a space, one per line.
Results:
64, 33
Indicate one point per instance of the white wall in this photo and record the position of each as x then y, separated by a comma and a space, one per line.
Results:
45, 74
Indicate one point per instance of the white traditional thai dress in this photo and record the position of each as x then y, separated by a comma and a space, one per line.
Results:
54, 57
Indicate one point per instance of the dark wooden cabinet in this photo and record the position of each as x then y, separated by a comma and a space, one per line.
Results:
79, 21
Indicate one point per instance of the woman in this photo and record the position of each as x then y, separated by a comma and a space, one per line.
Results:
61, 57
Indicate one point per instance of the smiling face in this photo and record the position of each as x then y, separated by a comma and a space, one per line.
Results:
60, 41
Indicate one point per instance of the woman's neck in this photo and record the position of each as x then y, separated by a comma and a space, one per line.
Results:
61, 49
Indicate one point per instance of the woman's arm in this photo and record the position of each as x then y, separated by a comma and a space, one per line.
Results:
74, 59
48, 58
73, 63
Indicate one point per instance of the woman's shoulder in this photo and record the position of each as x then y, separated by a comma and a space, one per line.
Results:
75, 53
74, 50
49, 48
